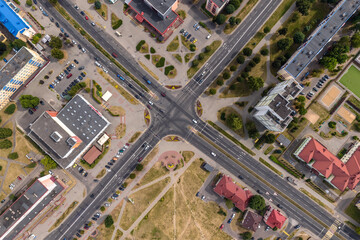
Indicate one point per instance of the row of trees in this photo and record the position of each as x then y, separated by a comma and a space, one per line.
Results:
56, 44
337, 54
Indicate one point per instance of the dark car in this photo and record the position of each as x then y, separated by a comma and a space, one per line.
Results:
42, 102
197, 194
259, 191
92, 195
82, 13
35, 1
66, 72
188, 36
57, 24
106, 166
297, 226
80, 77
94, 218
137, 97
279, 206
97, 59
81, 68
52, 19
79, 47
163, 94
229, 221
141, 95
131, 86
81, 170
85, 175
78, 235
2, 201
66, 35
121, 188
148, 106
182, 30
96, 180
110, 163
240, 177
82, 74
76, 61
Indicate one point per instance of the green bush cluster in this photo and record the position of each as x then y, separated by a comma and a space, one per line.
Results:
117, 24
168, 69
13, 155
5, 133
10, 109
139, 45
76, 88
160, 63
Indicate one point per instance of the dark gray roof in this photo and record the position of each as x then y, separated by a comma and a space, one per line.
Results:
207, 167
78, 118
283, 140
280, 105
152, 17
14, 65
162, 6
22, 205
293, 89
220, 3
321, 36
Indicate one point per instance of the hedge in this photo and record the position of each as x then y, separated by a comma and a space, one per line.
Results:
168, 69
117, 24
139, 45
10, 109
5, 133
13, 155
161, 62
5, 144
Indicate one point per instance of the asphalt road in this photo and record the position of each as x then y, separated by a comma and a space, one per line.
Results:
177, 115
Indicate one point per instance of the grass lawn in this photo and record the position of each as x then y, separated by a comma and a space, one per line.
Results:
182, 215
120, 130
117, 110
144, 48
228, 111
14, 171
316, 13
5, 152
242, 14
155, 58
214, 46
103, 11
321, 111
302, 126
351, 80
23, 147
260, 69
101, 173
155, 172
178, 57
187, 155
3, 164
241, 90
134, 137
173, 45
142, 199
352, 211
114, 20
118, 234
269, 149
189, 56
181, 13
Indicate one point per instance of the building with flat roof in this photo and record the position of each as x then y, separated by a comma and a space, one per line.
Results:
215, 6
28, 206
341, 173
16, 71
274, 218
13, 22
251, 220
160, 15
323, 34
67, 134
274, 111
226, 188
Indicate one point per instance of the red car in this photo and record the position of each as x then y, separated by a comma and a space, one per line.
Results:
114, 55
140, 159
69, 76
19, 178
221, 226
86, 17
163, 94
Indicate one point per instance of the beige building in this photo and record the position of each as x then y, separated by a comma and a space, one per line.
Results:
16, 71
215, 6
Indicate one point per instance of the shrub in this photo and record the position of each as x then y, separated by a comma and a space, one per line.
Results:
29, 3
132, 176
139, 45
220, 82
240, 59
256, 59
244, 74
267, 29
147, 56
168, 69
247, 69
160, 63
247, 51
48, 162
152, 50
252, 63
232, 87
82, 32
87, 90
283, 31
5, 133
13, 155
195, 63
102, 208
332, 124
5, 144
10, 109
233, 68
226, 75
192, 47
264, 52
212, 91
117, 24
41, 82
201, 56
207, 49
97, 4
139, 167
109, 221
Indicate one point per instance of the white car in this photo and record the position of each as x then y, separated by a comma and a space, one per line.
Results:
212, 153
208, 36
194, 121
74, 42
51, 173
83, 50
151, 103
92, 23
41, 9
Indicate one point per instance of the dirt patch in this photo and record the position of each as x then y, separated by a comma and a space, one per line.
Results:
346, 114
120, 130
312, 116
117, 110
331, 96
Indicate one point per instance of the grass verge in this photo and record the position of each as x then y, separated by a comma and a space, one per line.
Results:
63, 216
134, 137
148, 70
263, 161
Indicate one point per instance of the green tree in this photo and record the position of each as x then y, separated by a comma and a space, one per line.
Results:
3, 48
255, 83
29, 3
13, 155
57, 53
329, 62
226, 75
29, 101
220, 82
332, 124
283, 31
269, 138
207, 49
235, 3
55, 42
252, 130
5, 133
109, 221
48, 163
267, 29
229, 9
192, 47
302, 111
195, 63
234, 122
264, 52
97, 4
246, 235
132, 176
301, 99
303, 6
298, 37
17, 44
139, 167
247, 51
232, 21
201, 56
257, 202
240, 59
53, 1
5, 144
256, 59
284, 44
220, 19
212, 91
102, 208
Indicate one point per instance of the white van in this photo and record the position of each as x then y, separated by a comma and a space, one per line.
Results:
117, 33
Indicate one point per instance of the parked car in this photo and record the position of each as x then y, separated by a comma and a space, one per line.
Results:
297, 226
57, 24
82, 13
182, 30
86, 17
69, 76
221, 226
114, 55
197, 28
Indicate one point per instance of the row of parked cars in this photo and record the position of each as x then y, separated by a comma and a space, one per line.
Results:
187, 36
319, 85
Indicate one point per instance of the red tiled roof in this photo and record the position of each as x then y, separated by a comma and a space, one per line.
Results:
228, 189
91, 155
275, 219
326, 163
